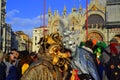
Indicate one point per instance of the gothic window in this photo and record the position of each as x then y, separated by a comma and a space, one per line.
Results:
74, 21
35, 38
57, 29
72, 28
95, 19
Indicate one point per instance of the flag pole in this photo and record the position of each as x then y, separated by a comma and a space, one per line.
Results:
44, 17
86, 19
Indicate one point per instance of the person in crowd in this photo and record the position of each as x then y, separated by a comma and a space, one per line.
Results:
97, 51
24, 62
88, 60
111, 60
2, 67
15, 53
113, 48
11, 70
83, 61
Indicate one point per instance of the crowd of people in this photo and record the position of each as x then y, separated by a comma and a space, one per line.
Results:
15, 63
93, 60
97, 60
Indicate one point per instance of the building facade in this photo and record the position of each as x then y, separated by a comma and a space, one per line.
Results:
103, 22
6, 38
37, 34
2, 20
76, 20
5, 29
113, 17
14, 41
24, 41
0, 28
18, 42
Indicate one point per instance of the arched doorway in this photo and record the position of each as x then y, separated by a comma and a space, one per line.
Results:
95, 36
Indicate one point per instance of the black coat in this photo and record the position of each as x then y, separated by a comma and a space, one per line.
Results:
2, 71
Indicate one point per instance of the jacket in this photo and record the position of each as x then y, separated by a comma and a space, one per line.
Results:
83, 61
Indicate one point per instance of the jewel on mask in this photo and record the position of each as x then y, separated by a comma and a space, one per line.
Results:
112, 66
116, 73
118, 66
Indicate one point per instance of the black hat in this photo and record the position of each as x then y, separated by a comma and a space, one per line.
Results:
113, 40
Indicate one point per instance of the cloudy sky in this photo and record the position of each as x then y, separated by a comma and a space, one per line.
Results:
27, 14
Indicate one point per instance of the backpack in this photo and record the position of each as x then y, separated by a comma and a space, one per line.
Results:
112, 67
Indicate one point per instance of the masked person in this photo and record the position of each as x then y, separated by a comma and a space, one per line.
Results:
111, 60
82, 60
97, 51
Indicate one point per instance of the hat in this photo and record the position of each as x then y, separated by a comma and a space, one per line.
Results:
113, 40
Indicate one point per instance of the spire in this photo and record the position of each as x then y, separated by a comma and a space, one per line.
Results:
96, 1
74, 9
91, 0
80, 9
55, 12
64, 11
49, 12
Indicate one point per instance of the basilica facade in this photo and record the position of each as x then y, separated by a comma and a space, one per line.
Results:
98, 27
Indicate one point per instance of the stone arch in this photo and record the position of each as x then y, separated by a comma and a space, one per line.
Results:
55, 24
117, 35
95, 19
96, 35
98, 13
73, 20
